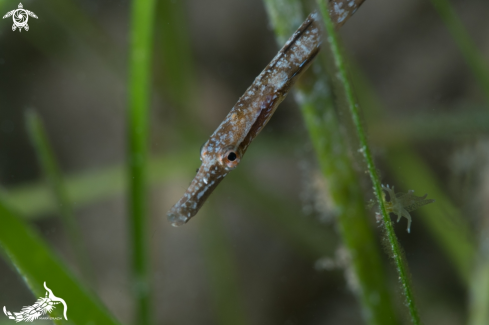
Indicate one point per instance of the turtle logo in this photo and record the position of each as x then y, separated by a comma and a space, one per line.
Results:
20, 17
41, 307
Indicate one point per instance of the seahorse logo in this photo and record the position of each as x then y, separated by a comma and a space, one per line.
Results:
41, 307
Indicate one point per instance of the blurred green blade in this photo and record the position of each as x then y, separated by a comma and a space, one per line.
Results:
451, 125
479, 276
346, 195
33, 200
345, 89
479, 292
143, 12
37, 264
314, 98
52, 173
474, 59
443, 219
91, 187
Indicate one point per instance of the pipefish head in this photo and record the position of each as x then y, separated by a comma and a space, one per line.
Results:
217, 162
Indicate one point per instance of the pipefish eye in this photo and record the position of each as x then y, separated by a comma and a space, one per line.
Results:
230, 159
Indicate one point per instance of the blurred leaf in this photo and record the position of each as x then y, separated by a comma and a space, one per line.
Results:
474, 59
424, 127
479, 277
34, 200
346, 90
479, 292
52, 173
91, 187
140, 58
313, 95
443, 219
37, 264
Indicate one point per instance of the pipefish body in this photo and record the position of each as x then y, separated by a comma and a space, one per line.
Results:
228, 144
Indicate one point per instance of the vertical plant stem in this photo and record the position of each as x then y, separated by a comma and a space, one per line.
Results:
476, 62
453, 234
314, 97
139, 101
345, 190
401, 266
52, 173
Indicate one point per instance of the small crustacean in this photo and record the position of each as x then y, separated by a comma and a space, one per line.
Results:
402, 203
227, 145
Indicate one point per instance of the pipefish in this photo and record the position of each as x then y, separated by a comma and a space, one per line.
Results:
226, 147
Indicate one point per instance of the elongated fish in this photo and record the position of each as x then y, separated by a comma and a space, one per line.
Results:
227, 145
